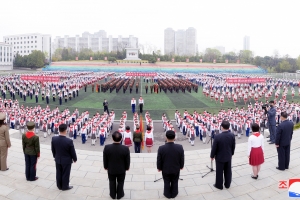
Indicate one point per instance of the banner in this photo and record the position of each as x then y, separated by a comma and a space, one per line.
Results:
158, 59
105, 58
91, 58
245, 80
226, 61
200, 60
214, 61
41, 78
76, 58
141, 74
187, 60
172, 59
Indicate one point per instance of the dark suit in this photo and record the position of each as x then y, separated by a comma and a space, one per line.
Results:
284, 135
116, 160
272, 123
170, 159
223, 150
64, 153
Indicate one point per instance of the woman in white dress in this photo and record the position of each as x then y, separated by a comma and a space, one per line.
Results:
256, 150
149, 139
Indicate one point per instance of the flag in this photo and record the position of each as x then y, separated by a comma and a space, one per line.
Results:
142, 130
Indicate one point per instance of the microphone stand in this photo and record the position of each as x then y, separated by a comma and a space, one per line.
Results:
211, 162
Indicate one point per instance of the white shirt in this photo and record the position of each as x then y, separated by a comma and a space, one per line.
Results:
133, 102
255, 142
149, 135
141, 101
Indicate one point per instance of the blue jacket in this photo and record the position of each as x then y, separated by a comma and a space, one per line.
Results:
284, 133
271, 116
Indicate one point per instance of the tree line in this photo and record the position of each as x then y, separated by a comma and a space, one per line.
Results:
36, 59
269, 63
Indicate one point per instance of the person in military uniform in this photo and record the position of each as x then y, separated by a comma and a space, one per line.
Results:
31, 149
85, 86
93, 85
151, 88
146, 87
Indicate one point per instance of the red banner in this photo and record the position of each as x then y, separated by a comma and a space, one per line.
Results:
141, 74
41, 78
245, 80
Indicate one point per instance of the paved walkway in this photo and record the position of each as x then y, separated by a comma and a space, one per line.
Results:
90, 179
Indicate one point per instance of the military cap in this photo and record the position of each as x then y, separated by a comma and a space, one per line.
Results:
30, 125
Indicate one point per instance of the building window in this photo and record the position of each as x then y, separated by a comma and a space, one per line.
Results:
35, 46
14, 42
31, 46
21, 42
35, 41
28, 37
31, 41
21, 51
35, 36
17, 42
31, 37
21, 38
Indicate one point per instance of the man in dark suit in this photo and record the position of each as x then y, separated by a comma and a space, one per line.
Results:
64, 153
116, 160
223, 150
105, 106
170, 160
272, 122
284, 135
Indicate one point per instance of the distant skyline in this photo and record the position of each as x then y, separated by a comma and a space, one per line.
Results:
272, 25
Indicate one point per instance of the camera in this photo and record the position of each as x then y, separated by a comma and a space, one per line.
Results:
265, 106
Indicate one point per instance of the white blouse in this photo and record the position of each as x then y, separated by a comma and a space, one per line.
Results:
149, 135
128, 135
255, 141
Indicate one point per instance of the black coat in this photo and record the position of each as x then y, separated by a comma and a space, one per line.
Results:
170, 158
284, 133
223, 147
116, 158
63, 150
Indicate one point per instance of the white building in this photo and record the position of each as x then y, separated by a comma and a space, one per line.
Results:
169, 41
221, 49
191, 41
180, 42
96, 42
6, 56
24, 44
246, 43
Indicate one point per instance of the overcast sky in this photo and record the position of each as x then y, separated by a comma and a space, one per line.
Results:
271, 24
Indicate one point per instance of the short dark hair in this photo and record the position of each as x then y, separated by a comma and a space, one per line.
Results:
117, 136
271, 101
225, 124
284, 115
127, 128
170, 135
62, 128
148, 128
255, 127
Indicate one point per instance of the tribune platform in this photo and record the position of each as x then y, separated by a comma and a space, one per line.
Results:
90, 179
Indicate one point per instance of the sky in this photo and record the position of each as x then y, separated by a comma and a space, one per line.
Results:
271, 24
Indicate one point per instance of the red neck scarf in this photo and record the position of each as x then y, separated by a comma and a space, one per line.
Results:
256, 134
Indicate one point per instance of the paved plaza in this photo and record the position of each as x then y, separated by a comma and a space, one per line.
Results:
90, 179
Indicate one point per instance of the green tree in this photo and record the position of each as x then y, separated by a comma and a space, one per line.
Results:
18, 60
298, 62
36, 59
284, 66
212, 54
246, 56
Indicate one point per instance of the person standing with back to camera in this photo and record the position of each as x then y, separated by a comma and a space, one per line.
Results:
223, 150
31, 149
283, 141
4, 142
105, 106
170, 160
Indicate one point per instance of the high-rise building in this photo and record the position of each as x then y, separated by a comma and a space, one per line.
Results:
6, 56
221, 49
96, 42
191, 41
180, 42
169, 41
24, 44
246, 43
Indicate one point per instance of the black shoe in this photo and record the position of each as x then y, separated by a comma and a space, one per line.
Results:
254, 177
268, 136
7, 169
279, 169
268, 140
121, 196
217, 187
287, 168
272, 143
69, 188
36, 178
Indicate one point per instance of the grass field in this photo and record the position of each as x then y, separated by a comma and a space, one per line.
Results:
156, 104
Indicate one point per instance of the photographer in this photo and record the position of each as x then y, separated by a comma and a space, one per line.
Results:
271, 112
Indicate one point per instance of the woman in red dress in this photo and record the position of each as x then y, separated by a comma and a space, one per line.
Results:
127, 137
149, 139
256, 150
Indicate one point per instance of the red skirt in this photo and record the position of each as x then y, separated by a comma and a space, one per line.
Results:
149, 142
128, 142
256, 156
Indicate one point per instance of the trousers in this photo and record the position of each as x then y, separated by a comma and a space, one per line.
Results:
170, 185
116, 185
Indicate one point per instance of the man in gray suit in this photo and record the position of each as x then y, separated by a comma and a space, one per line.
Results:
271, 111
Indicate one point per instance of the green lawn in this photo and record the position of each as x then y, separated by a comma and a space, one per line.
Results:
156, 104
